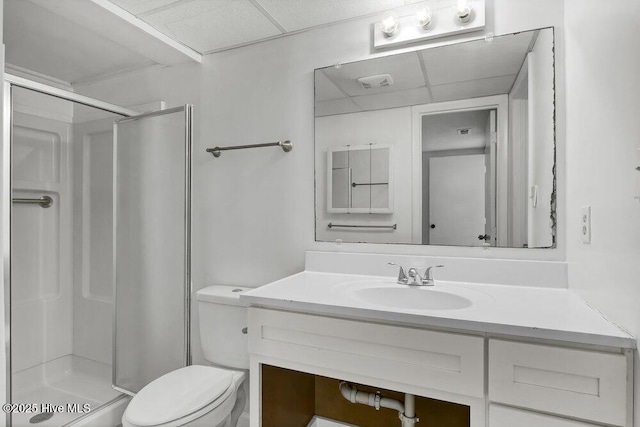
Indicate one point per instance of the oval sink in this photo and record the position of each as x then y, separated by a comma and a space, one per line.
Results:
411, 298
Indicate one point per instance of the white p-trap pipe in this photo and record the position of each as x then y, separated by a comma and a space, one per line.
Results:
406, 411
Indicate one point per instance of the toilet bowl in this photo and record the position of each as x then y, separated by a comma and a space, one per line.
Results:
206, 396
191, 396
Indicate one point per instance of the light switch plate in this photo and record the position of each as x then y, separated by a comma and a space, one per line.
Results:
586, 224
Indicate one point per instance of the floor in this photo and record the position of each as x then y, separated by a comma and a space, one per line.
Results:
57, 385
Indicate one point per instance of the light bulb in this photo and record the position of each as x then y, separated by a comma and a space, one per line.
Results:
389, 25
423, 16
463, 12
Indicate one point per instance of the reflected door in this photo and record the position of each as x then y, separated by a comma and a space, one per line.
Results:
457, 200
152, 241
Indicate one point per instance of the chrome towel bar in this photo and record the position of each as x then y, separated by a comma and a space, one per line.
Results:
44, 201
391, 227
285, 145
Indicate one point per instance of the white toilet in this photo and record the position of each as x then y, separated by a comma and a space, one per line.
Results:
203, 396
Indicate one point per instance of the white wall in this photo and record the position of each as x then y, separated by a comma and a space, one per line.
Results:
602, 136
254, 210
390, 127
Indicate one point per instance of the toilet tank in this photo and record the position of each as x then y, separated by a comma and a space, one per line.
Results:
223, 322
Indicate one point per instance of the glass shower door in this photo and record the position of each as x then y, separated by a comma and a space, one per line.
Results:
152, 246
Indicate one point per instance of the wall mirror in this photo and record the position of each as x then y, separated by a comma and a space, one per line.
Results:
462, 137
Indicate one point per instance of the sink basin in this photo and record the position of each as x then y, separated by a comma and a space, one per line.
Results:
411, 298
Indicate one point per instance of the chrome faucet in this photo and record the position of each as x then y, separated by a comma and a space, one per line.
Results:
402, 276
417, 280
427, 280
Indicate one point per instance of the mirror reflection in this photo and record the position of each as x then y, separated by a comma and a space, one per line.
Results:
358, 179
451, 145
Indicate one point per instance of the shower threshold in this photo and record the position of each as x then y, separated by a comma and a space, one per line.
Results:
68, 387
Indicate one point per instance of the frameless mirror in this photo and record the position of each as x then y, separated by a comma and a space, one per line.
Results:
451, 145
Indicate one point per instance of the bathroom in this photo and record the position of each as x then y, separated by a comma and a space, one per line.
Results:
253, 212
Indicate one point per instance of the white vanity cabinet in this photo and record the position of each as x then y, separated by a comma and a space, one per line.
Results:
445, 366
589, 385
520, 383
501, 416
515, 356
451, 363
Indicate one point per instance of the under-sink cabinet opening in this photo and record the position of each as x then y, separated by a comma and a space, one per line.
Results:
291, 398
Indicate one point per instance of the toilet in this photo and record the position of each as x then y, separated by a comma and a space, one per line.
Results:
203, 396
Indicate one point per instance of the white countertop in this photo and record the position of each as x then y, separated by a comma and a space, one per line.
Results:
519, 311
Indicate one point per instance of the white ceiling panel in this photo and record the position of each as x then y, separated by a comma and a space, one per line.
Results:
42, 41
394, 99
405, 70
325, 90
207, 25
295, 15
473, 88
336, 106
502, 56
137, 7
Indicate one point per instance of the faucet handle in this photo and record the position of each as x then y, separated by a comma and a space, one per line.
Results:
428, 275
402, 276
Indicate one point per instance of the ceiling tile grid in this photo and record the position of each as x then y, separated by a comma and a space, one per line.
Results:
405, 69
137, 7
204, 25
295, 15
503, 56
212, 25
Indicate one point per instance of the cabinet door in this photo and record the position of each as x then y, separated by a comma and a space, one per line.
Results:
584, 384
500, 416
435, 360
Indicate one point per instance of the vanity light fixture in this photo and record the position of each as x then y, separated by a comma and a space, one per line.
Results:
389, 25
423, 17
449, 18
463, 11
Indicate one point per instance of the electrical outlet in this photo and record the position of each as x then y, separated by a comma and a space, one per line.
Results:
586, 224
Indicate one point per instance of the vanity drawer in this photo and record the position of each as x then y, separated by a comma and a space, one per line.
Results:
500, 416
435, 360
583, 384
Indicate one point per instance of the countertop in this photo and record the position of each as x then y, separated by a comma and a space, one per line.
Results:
518, 311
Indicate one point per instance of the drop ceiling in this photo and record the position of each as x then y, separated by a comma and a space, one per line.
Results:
78, 41
82, 40
447, 73
212, 25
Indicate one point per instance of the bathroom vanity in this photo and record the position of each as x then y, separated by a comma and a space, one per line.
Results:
515, 355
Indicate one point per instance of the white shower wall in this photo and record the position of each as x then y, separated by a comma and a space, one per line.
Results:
93, 237
62, 256
42, 247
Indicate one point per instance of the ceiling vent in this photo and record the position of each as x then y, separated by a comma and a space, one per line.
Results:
380, 80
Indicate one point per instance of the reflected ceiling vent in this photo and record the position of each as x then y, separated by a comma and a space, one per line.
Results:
463, 131
381, 80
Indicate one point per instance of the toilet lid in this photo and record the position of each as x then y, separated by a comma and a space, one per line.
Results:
178, 394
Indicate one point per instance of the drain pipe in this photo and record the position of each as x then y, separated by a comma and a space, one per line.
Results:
406, 411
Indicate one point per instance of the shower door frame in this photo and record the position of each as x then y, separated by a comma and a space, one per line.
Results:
188, 117
9, 82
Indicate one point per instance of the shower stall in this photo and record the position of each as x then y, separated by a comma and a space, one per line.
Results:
74, 189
